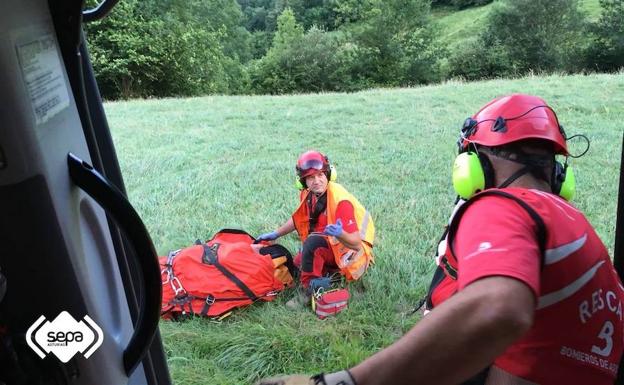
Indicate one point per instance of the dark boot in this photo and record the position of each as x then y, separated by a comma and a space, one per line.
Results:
300, 300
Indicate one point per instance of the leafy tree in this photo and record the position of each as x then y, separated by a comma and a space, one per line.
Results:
607, 52
319, 13
288, 30
461, 4
139, 53
522, 36
472, 61
386, 32
272, 73
310, 62
539, 35
218, 16
420, 57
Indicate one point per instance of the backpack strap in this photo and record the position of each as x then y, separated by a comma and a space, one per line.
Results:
207, 304
315, 212
438, 277
539, 222
210, 258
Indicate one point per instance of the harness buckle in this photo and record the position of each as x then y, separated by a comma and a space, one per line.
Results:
177, 286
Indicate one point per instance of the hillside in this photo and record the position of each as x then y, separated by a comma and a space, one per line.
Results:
193, 166
456, 26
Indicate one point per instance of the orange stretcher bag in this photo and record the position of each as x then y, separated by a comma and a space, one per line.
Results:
228, 271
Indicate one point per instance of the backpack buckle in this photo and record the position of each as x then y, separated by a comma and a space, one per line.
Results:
210, 300
177, 286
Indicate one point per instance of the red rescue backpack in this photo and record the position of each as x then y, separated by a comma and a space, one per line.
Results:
228, 271
331, 302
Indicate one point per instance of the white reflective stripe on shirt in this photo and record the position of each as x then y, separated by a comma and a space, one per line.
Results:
560, 295
560, 252
364, 224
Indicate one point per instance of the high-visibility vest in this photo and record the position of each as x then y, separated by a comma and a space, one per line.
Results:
352, 263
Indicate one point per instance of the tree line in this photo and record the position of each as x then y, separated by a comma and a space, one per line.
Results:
163, 48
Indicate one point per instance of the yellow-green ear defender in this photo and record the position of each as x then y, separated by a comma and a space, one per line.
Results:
564, 183
568, 187
333, 175
468, 175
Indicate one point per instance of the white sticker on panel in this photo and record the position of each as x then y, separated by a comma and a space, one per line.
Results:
43, 76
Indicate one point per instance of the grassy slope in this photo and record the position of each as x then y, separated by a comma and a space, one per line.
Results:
457, 26
193, 166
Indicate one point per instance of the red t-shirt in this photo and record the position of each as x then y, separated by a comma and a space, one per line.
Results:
344, 212
504, 244
577, 333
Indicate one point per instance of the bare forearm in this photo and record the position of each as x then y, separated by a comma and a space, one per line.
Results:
351, 240
286, 228
467, 332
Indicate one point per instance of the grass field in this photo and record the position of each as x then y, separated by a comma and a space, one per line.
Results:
458, 26
194, 166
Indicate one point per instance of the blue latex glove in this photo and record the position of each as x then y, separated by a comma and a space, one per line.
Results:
334, 230
268, 236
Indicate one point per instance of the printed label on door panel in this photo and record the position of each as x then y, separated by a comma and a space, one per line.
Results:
43, 76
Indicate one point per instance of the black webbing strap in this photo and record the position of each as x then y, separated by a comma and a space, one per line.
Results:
315, 212
539, 222
210, 258
515, 176
207, 303
438, 277
181, 302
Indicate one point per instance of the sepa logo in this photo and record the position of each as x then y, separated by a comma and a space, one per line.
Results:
64, 337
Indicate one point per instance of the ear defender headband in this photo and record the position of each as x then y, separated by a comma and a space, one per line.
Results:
473, 172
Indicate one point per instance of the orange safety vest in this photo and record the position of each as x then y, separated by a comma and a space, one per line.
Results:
352, 263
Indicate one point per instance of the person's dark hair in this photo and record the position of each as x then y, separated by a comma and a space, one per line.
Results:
534, 152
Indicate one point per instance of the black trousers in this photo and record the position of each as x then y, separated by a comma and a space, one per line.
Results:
310, 245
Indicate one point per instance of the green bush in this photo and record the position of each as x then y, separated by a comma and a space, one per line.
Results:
421, 56
392, 46
538, 35
523, 36
607, 51
462, 4
314, 62
473, 61
389, 34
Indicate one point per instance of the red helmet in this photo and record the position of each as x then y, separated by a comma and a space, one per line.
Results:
512, 118
311, 162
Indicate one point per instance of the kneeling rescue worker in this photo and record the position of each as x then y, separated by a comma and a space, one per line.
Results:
537, 299
336, 231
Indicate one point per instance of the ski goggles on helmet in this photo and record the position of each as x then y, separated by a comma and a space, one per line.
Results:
309, 166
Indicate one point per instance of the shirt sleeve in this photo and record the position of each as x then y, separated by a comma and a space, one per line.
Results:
497, 237
344, 211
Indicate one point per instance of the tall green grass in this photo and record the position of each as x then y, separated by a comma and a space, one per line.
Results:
194, 166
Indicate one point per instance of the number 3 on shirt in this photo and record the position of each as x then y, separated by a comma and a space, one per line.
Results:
606, 334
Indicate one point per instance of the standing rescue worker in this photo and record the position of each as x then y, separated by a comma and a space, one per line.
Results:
537, 298
336, 231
